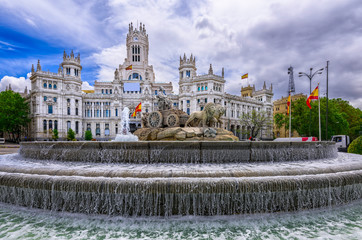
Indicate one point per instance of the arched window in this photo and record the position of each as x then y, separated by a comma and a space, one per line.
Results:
56, 124
68, 125
45, 125
50, 124
50, 85
55, 99
55, 86
45, 85
134, 76
45, 98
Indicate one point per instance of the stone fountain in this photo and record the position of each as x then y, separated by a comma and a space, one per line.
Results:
164, 178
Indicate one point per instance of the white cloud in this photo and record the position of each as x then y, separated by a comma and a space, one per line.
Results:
17, 84
87, 86
261, 38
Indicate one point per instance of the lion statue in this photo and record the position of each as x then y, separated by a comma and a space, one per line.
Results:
206, 116
217, 115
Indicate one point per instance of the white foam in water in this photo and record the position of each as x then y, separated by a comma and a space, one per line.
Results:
329, 223
125, 135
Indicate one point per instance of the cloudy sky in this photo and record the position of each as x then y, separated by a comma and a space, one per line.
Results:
259, 37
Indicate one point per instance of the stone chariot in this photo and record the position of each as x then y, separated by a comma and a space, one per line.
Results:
165, 116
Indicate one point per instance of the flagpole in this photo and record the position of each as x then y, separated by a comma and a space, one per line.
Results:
319, 115
290, 115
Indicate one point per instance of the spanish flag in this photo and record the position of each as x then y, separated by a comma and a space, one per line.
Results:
313, 96
129, 67
244, 76
138, 109
288, 103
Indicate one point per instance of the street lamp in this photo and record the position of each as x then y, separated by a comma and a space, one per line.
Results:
310, 76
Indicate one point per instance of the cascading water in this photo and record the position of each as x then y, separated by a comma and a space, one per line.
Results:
125, 134
179, 178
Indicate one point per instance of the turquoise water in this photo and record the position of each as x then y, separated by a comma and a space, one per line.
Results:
342, 222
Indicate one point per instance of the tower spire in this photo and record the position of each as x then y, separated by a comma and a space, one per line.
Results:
38, 67
210, 70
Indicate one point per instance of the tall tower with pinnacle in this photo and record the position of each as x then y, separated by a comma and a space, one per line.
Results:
187, 67
137, 45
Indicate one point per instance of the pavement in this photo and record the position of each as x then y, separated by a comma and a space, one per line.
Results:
9, 148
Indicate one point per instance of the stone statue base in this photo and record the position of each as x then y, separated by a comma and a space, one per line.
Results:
185, 134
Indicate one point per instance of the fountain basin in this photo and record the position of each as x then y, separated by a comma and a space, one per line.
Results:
179, 178
178, 152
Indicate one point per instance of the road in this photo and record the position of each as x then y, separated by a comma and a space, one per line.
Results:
9, 148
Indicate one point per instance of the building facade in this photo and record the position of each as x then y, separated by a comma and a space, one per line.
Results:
58, 102
280, 106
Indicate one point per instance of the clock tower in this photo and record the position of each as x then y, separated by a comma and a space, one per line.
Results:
137, 45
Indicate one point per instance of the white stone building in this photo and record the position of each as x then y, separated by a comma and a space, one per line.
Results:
57, 101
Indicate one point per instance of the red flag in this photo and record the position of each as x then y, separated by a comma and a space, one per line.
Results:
129, 67
138, 109
288, 103
313, 96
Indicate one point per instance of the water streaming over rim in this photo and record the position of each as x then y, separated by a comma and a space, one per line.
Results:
156, 179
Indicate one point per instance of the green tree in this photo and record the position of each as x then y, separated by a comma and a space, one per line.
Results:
280, 120
352, 115
256, 120
55, 135
356, 146
14, 114
88, 135
71, 135
337, 123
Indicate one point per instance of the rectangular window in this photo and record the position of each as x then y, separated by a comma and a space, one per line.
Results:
76, 127
205, 100
76, 111
188, 111
98, 129
155, 92
44, 125
88, 127
102, 91
187, 101
56, 124
68, 110
106, 129
68, 126
50, 109
188, 73
116, 112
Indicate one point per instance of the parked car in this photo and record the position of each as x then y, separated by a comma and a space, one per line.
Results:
342, 142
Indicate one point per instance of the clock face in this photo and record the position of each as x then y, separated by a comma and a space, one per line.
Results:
135, 38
